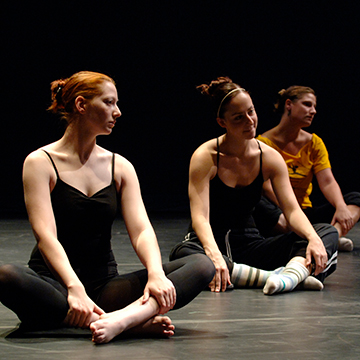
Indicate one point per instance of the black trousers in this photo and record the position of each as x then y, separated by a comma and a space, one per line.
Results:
250, 248
40, 302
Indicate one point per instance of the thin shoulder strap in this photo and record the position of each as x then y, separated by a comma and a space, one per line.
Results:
52, 161
113, 167
218, 153
260, 153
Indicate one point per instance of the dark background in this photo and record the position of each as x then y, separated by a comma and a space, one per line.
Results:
158, 52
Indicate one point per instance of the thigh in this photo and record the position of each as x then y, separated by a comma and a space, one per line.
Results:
190, 275
324, 213
320, 214
266, 215
37, 300
189, 246
352, 198
121, 290
269, 253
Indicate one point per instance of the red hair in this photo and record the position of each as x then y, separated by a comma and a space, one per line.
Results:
65, 91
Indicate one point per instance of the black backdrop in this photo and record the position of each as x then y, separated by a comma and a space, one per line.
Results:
157, 52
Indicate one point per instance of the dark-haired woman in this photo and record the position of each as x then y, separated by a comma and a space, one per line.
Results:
73, 188
226, 177
306, 155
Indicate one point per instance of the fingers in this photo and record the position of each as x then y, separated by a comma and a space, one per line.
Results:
349, 224
164, 306
98, 310
76, 318
166, 299
81, 318
212, 284
145, 296
217, 281
224, 280
308, 259
321, 263
220, 281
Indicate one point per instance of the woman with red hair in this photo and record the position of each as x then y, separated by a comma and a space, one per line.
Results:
73, 189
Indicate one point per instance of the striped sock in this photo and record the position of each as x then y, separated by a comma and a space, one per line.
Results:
293, 274
310, 283
244, 276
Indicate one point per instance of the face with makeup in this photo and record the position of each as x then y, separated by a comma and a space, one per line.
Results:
101, 111
239, 117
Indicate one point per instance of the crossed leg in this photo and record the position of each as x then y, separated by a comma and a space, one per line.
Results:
137, 317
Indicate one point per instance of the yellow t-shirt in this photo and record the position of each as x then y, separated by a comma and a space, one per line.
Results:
312, 158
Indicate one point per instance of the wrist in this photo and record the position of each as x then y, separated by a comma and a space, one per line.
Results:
75, 286
212, 253
341, 207
313, 238
155, 273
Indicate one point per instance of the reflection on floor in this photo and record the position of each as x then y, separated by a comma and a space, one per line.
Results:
241, 324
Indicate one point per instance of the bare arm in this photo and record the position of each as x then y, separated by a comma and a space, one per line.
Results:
37, 181
201, 171
332, 192
143, 237
275, 169
269, 192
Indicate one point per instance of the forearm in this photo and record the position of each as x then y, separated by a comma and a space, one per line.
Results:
300, 224
58, 262
205, 235
148, 251
332, 193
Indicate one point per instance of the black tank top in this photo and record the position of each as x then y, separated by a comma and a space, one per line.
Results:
83, 228
232, 208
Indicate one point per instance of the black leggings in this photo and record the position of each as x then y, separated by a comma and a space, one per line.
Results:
252, 249
41, 302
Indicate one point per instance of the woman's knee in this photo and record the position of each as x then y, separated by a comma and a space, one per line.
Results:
204, 266
329, 236
9, 274
352, 198
185, 249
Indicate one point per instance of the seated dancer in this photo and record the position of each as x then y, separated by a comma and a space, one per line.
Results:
73, 189
305, 154
226, 177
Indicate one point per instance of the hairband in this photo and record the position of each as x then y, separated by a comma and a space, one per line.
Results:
230, 92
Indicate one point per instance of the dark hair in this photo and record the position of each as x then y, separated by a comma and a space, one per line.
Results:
217, 91
65, 91
293, 93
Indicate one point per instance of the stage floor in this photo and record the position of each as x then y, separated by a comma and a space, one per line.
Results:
240, 324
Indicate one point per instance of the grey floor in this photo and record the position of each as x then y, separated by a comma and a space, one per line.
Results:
241, 324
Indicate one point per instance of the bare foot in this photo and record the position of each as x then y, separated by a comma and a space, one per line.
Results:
106, 328
112, 324
158, 325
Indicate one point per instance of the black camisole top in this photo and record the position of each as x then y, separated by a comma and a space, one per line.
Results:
232, 208
83, 228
